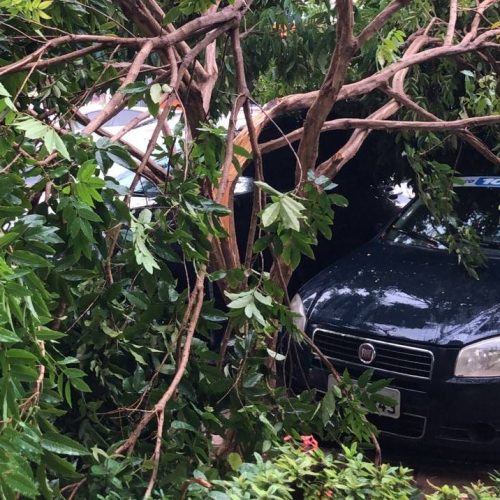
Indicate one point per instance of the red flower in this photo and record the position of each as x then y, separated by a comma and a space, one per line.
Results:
309, 443
287, 438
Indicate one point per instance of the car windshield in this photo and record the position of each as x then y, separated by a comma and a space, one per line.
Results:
476, 206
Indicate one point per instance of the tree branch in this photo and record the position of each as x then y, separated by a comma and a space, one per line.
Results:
333, 165
154, 172
119, 97
195, 27
481, 9
345, 47
450, 31
380, 20
44, 63
189, 323
465, 135
375, 124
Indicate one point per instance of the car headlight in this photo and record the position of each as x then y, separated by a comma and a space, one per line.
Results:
297, 307
481, 359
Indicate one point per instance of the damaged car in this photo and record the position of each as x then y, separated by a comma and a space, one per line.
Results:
403, 307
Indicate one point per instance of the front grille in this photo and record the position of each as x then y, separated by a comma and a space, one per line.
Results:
391, 358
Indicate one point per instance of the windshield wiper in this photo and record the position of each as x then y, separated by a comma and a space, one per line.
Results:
419, 236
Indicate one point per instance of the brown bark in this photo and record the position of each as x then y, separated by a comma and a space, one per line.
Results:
327, 95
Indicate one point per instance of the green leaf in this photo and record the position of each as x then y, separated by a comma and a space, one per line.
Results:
88, 214
30, 259
377, 386
275, 355
239, 301
63, 445
270, 214
242, 151
7, 211
291, 213
74, 372
16, 290
135, 88
20, 483
252, 380
365, 377
86, 171
60, 466
156, 92
21, 354
179, 424
217, 275
53, 142
339, 200
267, 188
8, 337
171, 15
328, 406
84, 193
44, 333
8, 238
33, 128
80, 385
3, 91
234, 460
262, 243
266, 300
138, 357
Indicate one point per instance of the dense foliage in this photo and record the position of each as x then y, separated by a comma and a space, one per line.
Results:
305, 471
131, 360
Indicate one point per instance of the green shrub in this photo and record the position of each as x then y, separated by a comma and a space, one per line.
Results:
307, 472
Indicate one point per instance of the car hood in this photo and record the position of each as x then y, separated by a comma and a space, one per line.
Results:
406, 292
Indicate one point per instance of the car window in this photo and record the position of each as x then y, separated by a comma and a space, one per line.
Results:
475, 207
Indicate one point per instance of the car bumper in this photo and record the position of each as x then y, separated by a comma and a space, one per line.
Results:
449, 414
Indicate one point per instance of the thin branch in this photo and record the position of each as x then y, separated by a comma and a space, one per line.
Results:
450, 31
465, 135
119, 97
258, 197
155, 172
70, 56
20, 64
374, 124
380, 20
195, 27
193, 315
481, 9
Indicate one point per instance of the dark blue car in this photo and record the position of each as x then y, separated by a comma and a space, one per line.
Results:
402, 306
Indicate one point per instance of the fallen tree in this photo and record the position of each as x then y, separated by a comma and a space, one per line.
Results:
131, 290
